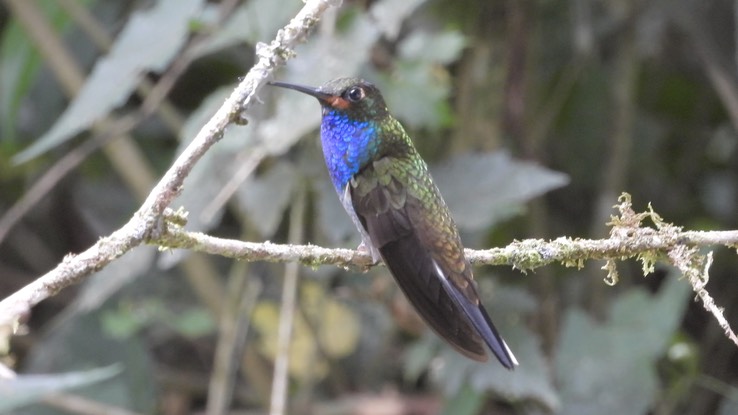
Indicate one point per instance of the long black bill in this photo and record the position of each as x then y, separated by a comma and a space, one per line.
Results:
313, 92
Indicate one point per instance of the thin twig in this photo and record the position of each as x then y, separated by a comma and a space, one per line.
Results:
240, 300
525, 255
696, 268
280, 381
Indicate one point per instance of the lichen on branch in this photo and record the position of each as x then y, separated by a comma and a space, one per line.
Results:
629, 238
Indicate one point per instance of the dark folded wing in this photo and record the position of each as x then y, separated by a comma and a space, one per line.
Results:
425, 256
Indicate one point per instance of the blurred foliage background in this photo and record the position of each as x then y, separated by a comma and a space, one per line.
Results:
535, 115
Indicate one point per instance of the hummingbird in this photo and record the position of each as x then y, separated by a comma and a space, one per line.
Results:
384, 185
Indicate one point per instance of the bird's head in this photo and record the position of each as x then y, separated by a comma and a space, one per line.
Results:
352, 97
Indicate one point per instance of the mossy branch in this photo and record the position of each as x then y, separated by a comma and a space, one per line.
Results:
629, 238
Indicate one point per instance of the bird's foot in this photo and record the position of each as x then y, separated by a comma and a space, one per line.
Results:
367, 250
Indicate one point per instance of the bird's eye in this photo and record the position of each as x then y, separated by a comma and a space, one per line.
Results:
355, 94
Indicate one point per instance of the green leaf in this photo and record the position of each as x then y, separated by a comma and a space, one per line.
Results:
422, 85
611, 367
193, 323
149, 42
19, 65
442, 48
467, 401
482, 189
418, 358
78, 343
417, 77
121, 324
27, 389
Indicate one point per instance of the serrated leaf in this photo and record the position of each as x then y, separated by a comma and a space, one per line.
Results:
611, 367
482, 189
149, 42
26, 389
